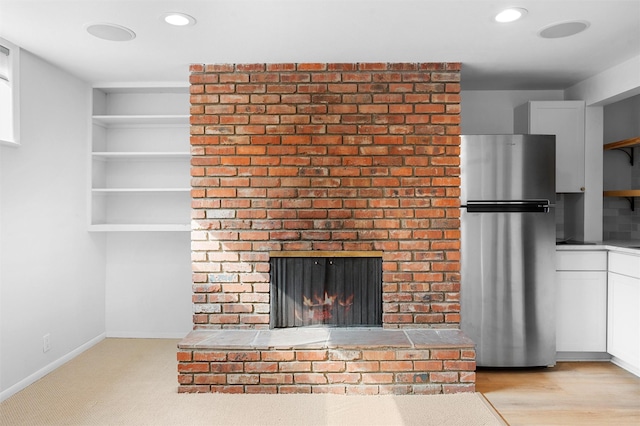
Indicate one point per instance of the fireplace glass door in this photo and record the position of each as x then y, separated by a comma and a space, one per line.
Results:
331, 291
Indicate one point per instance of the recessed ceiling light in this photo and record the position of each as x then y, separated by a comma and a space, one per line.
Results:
178, 19
111, 32
510, 15
563, 29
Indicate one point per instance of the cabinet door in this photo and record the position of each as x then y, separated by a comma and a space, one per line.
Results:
623, 341
565, 119
581, 311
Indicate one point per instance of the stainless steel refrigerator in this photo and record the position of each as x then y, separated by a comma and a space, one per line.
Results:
508, 248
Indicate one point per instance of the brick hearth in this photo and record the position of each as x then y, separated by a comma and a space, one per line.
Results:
325, 157
321, 360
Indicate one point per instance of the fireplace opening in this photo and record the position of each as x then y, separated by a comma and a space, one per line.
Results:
329, 291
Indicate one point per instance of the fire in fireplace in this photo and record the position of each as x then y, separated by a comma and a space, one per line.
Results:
330, 291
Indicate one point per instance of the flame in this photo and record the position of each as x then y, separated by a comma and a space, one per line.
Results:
328, 300
322, 307
347, 302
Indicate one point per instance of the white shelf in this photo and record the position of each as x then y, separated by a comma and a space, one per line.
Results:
120, 155
140, 159
143, 87
139, 228
141, 189
140, 206
137, 120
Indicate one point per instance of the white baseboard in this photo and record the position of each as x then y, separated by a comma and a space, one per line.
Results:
582, 356
49, 368
625, 365
147, 335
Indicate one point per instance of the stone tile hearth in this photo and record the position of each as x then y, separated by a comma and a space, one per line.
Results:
325, 338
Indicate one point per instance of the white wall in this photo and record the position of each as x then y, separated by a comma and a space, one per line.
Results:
52, 271
56, 277
491, 111
614, 84
148, 284
622, 121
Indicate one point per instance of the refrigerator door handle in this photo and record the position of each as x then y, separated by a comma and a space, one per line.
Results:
507, 206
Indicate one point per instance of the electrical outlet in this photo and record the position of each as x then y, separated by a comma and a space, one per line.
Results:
46, 342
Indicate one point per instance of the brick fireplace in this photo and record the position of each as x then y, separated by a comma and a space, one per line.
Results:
299, 159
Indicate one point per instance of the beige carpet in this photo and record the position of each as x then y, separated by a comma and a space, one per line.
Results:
134, 382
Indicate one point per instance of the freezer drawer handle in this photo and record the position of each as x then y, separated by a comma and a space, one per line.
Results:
527, 206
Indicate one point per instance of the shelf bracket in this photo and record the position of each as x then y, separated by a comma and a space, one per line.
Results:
629, 153
632, 202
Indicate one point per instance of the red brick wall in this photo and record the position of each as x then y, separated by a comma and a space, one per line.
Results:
325, 157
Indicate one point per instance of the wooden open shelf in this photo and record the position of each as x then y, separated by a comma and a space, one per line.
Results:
623, 193
627, 143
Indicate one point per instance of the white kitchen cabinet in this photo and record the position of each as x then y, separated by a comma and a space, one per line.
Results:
623, 340
581, 307
565, 120
140, 159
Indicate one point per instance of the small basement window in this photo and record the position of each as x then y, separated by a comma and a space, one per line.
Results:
9, 93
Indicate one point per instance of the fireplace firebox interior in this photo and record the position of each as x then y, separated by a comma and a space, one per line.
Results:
328, 291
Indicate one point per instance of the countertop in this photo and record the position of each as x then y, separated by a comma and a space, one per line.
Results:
629, 246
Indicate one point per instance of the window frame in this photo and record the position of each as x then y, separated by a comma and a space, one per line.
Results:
13, 138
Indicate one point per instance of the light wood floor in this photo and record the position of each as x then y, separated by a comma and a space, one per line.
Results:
571, 393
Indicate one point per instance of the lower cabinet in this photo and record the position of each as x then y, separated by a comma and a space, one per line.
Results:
623, 331
581, 304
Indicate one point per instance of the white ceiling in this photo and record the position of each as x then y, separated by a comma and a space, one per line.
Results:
494, 56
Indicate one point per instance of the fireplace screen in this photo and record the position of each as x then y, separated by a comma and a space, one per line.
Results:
335, 291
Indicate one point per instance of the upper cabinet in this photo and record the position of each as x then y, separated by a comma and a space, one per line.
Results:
565, 120
140, 171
